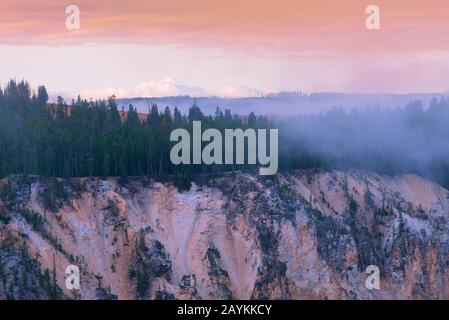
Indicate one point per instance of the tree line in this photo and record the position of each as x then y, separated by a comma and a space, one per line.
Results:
93, 138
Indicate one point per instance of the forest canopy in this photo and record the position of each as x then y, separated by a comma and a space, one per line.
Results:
95, 138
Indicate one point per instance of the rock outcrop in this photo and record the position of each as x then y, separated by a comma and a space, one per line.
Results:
307, 234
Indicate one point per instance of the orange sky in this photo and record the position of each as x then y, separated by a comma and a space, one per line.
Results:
317, 38
295, 28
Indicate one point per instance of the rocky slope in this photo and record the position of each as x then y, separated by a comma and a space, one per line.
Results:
298, 235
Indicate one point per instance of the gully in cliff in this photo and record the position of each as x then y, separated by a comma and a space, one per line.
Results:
212, 152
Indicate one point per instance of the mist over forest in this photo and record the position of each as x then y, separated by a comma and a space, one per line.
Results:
93, 138
412, 139
283, 104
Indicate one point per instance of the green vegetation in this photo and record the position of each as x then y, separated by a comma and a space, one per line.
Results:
163, 295
138, 270
286, 192
353, 206
36, 221
384, 211
33, 218
54, 196
24, 278
318, 214
182, 181
402, 226
112, 208
143, 281
369, 200
421, 213
8, 195
94, 138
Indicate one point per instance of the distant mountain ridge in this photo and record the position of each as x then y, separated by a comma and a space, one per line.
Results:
284, 103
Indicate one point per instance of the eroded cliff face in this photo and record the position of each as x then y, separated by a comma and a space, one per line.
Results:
297, 235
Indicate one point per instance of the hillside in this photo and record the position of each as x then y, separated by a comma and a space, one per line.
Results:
307, 234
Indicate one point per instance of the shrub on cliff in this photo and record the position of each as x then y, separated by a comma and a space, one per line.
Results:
182, 181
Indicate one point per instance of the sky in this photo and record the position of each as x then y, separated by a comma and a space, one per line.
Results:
226, 48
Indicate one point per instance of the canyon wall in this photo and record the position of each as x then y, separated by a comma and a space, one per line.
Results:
306, 234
